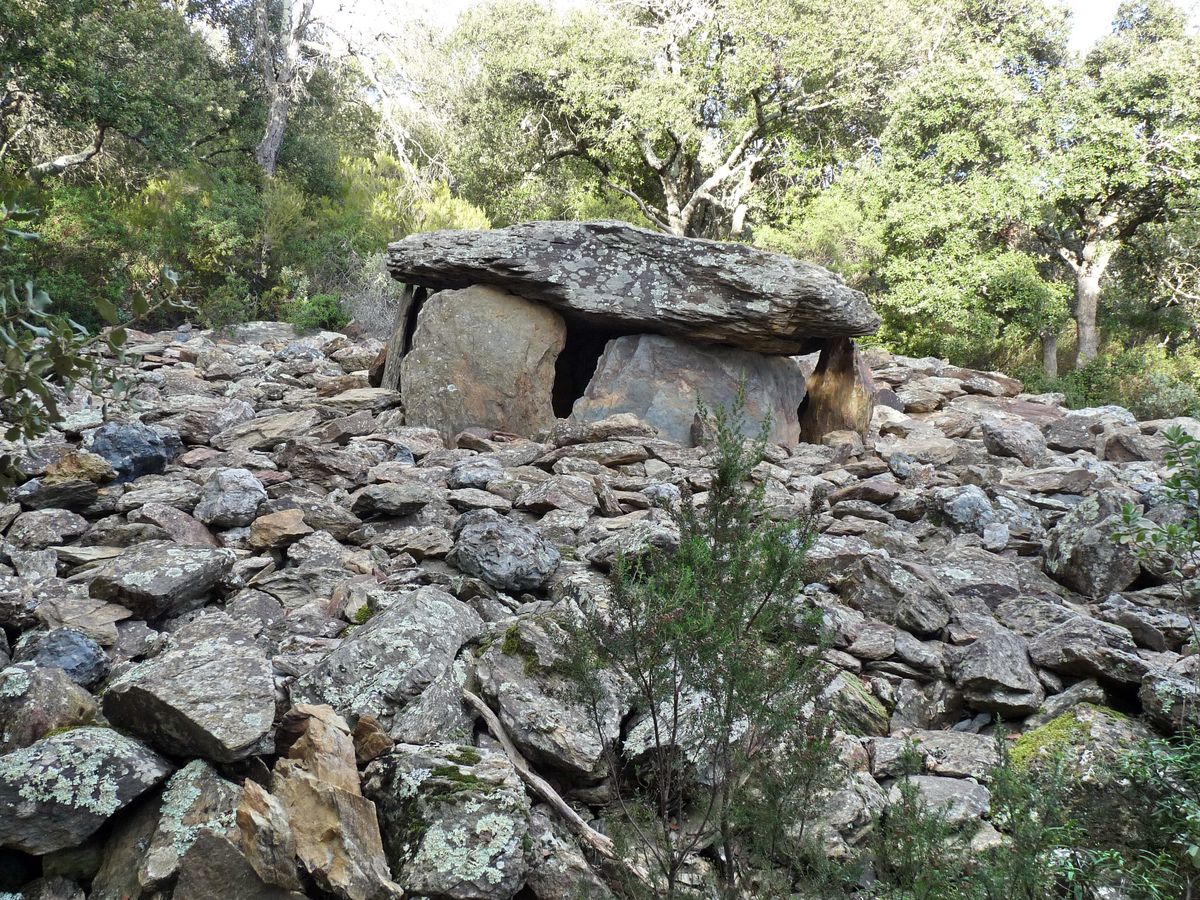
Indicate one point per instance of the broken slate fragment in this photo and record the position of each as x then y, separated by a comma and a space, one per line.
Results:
214, 698
159, 578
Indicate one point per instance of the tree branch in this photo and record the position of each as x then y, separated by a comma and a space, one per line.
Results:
60, 164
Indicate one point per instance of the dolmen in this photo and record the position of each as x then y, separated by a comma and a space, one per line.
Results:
514, 328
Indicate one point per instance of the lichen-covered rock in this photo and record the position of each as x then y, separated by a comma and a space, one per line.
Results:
1082, 553
633, 278
57, 792
214, 698
230, 499
144, 853
539, 706
455, 820
1085, 740
1013, 436
557, 869
160, 578
995, 674
959, 801
391, 659
35, 701
507, 555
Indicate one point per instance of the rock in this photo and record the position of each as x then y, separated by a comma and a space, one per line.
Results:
1085, 741
392, 500
230, 499
1087, 648
1171, 701
974, 574
844, 815
278, 529
146, 851
966, 508
540, 707
134, 449
1082, 553
454, 820
334, 829
662, 380
79, 465
83, 660
182, 528
391, 659
484, 357
475, 472
556, 866
42, 528
1014, 437
959, 801
617, 275
159, 578
58, 791
35, 701
899, 593
267, 432
841, 393
995, 674
213, 698
506, 554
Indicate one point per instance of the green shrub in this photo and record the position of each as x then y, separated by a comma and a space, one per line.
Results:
1148, 381
320, 312
722, 654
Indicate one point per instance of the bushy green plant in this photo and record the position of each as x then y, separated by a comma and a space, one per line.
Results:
1148, 381
722, 655
318, 312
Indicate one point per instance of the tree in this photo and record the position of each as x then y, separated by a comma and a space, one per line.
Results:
723, 656
680, 106
1123, 148
281, 30
75, 75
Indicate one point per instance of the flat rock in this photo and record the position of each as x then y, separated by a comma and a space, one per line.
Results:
614, 274
58, 791
507, 555
158, 578
214, 698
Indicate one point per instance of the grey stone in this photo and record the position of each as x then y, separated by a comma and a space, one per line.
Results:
995, 674
1088, 648
390, 660
84, 660
633, 278
35, 701
661, 380
213, 698
230, 499
506, 554
160, 578
1082, 553
134, 449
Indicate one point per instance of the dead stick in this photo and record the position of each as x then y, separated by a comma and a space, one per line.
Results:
602, 843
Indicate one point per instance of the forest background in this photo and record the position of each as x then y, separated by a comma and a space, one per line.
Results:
1008, 195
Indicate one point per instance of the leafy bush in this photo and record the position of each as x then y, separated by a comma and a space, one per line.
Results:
318, 312
723, 656
1147, 381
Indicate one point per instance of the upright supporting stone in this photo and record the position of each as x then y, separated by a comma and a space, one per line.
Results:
401, 332
480, 356
841, 393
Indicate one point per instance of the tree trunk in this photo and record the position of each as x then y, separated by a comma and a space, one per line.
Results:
1088, 273
1050, 353
267, 152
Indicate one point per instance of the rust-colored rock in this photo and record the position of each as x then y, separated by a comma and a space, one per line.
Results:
841, 393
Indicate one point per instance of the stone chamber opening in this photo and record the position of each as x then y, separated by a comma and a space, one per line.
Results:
577, 363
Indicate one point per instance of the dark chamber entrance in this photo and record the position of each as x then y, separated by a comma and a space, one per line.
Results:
577, 363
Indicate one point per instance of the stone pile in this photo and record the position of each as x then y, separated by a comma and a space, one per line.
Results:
508, 329
239, 619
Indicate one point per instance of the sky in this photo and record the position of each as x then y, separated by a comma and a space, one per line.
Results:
1090, 18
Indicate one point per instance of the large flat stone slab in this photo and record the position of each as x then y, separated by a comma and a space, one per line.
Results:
618, 276
661, 380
